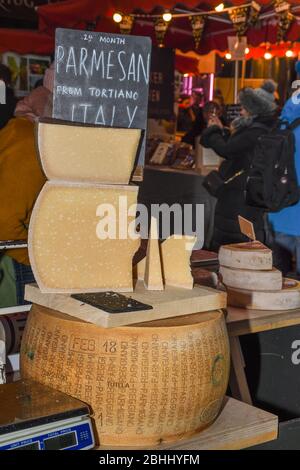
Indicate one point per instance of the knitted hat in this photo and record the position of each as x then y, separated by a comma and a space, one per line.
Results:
259, 101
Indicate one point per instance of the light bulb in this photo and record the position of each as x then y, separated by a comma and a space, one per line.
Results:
219, 7
247, 50
185, 75
167, 16
228, 56
268, 55
117, 17
289, 53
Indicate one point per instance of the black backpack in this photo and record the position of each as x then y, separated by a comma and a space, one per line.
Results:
272, 179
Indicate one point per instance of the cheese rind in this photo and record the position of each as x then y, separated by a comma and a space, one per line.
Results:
130, 376
82, 153
65, 250
252, 255
287, 298
251, 280
175, 256
153, 279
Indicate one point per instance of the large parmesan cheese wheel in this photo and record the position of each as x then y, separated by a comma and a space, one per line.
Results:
253, 255
251, 280
145, 384
86, 153
67, 247
288, 298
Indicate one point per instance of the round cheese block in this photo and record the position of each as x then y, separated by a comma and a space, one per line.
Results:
251, 280
253, 255
288, 298
145, 384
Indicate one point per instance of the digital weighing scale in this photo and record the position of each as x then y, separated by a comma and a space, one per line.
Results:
36, 417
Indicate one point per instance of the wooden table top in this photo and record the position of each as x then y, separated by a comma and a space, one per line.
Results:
238, 426
241, 321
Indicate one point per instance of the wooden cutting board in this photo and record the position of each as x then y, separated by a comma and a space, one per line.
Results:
171, 302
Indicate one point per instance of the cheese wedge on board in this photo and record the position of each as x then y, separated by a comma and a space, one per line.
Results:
86, 153
175, 256
288, 298
251, 280
67, 246
153, 279
253, 255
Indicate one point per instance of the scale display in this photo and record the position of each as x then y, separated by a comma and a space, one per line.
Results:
61, 442
31, 446
64, 437
36, 417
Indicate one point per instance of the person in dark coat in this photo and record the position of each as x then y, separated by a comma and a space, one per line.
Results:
237, 148
7, 109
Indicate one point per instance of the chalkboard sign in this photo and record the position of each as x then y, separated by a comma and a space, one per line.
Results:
232, 112
102, 79
161, 92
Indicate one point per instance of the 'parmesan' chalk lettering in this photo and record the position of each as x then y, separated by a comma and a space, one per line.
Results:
97, 62
71, 62
59, 57
121, 65
83, 57
109, 65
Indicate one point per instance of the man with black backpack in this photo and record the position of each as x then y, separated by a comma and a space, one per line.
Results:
286, 222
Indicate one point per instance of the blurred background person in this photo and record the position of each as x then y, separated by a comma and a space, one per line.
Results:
286, 223
39, 101
21, 180
7, 110
257, 107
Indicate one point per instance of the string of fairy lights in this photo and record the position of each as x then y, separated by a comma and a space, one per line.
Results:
241, 17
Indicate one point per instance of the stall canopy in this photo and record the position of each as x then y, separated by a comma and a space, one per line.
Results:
97, 15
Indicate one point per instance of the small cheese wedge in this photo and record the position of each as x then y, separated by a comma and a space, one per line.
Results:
253, 255
175, 255
68, 247
86, 153
153, 279
251, 280
288, 298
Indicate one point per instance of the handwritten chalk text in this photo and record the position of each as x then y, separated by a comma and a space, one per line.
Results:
108, 65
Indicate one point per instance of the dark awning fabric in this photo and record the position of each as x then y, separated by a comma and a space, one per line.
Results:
25, 41
97, 15
186, 64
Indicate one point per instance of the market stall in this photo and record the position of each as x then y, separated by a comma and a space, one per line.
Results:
140, 345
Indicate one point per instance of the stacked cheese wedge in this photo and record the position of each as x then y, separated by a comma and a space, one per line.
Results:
76, 242
251, 280
166, 263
